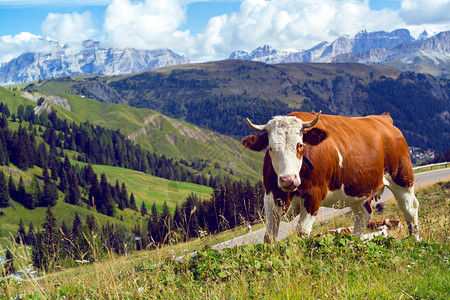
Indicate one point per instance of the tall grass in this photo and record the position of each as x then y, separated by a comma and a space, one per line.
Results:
319, 268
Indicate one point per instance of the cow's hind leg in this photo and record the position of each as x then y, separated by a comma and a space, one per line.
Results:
407, 203
273, 216
362, 213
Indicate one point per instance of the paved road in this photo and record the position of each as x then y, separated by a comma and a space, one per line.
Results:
288, 228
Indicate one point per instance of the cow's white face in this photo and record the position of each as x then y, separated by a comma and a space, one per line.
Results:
285, 135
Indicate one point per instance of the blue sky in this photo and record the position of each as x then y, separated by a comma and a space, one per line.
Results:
207, 30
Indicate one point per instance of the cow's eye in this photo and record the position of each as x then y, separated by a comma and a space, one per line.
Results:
270, 149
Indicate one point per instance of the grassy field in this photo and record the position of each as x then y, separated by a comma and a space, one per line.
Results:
327, 267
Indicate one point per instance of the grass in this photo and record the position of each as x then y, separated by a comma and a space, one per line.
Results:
326, 267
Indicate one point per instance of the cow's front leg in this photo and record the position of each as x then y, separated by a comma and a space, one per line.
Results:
305, 222
273, 215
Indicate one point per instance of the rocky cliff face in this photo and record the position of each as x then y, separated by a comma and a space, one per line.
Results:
435, 49
92, 58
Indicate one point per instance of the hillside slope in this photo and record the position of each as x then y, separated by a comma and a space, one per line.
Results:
203, 150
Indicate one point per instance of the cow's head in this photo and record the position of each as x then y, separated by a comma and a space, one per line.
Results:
284, 138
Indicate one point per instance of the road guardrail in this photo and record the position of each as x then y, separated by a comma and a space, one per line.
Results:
431, 166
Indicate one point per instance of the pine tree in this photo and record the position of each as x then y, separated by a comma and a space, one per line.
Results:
21, 194
4, 191
50, 238
6, 111
107, 198
21, 236
67, 165
152, 226
133, 202
38, 255
3, 152
50, 192
77, 236
12, 187
74, 194
92, 225
31, 235
124, 195
164, 223
63, 183
96, 197
177, 219
77, 228
143, 209
190, 221
36, 192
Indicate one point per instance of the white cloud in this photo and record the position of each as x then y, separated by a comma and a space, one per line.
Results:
146, 25
290, 24
69, 28
284, 24
416, 12
13, 46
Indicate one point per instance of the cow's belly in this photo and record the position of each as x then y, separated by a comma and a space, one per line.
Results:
339, 199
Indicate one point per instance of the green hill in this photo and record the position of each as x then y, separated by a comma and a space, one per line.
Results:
205, 151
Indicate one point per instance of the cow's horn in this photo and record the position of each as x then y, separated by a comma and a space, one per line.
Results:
313, 122
256, 127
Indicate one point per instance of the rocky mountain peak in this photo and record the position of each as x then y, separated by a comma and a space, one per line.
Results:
426, 34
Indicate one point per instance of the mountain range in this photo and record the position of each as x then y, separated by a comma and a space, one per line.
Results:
428, 54
90, 58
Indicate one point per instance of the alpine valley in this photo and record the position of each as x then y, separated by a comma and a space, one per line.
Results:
112, 147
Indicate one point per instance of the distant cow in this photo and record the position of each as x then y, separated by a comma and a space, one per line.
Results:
348, 161
335, 232
379, 226
390, 224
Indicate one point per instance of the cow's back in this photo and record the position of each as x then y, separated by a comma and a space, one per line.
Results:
357, 153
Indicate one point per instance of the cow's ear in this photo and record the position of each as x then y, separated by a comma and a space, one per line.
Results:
314, 136
256, 142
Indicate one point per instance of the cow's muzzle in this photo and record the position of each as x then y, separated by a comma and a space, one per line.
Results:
288, 183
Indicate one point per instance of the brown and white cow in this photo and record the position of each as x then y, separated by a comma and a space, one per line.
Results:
348, 161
